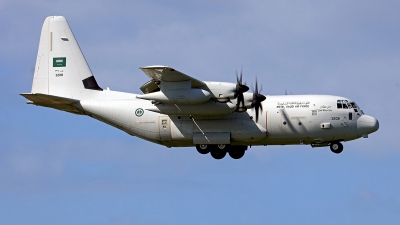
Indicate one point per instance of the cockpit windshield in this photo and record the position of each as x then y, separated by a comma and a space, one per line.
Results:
354, 105
344, 104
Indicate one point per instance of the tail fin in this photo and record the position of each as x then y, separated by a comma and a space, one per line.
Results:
61, 69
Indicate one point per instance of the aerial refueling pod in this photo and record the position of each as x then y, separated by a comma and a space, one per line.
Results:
178, 96
209, 108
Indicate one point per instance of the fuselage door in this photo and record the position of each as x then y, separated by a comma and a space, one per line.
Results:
164, 127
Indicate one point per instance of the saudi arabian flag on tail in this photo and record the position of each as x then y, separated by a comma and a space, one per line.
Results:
59, 62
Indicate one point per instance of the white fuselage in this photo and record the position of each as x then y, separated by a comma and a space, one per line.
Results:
286, 119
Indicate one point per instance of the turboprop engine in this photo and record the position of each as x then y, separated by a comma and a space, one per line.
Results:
178, 96
205, 108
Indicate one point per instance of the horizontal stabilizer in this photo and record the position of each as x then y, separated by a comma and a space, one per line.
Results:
60, 103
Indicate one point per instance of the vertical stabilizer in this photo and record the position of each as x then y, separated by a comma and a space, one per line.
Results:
61, 68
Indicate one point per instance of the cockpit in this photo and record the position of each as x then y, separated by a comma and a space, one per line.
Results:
345, 104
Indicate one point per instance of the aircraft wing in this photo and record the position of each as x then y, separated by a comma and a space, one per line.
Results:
180, 94
168, 74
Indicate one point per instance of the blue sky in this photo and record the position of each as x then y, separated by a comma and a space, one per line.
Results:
59, 168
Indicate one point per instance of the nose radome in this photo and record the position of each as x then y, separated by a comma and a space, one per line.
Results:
367, 124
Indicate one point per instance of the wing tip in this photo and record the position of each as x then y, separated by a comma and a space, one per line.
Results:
154, 67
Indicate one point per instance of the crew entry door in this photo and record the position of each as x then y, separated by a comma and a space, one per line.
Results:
164, 127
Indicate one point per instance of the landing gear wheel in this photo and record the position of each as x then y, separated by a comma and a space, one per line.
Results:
336, 147
236, 153
222, 146
218, 153
203, 149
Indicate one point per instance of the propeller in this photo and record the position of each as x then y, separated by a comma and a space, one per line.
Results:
257, 99
239, 90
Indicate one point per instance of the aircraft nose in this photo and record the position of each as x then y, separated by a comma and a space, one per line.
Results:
367, 124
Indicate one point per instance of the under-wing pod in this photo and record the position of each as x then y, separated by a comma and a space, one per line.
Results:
178, 96
209, 108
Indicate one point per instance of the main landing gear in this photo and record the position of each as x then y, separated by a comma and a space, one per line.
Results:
336, 147
219, 151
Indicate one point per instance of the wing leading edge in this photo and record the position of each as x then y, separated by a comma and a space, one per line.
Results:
168, 74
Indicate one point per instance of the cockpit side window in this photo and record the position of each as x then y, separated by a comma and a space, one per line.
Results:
354, 105
345, 104
339, 104
349, 105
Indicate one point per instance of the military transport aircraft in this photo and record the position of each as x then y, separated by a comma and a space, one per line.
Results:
176, 110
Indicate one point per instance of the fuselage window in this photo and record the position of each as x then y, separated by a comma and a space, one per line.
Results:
350, 116
339, 104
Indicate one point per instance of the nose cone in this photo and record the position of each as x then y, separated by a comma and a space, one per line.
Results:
367, 124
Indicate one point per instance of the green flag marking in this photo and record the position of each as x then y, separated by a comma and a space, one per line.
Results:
60, 62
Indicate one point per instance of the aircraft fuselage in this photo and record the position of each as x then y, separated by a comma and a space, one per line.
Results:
286, 119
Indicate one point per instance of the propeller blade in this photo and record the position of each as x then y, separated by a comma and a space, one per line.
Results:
256, 91
240, 99
239, 80
257, 112
257, 99
238, 92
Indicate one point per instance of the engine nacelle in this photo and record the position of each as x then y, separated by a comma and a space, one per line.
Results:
204, 109
248, 99
221, 89
178, 96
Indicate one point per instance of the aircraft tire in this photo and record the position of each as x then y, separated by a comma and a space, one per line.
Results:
222, 147
236, 153
336, 147
218, 153
203, 149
